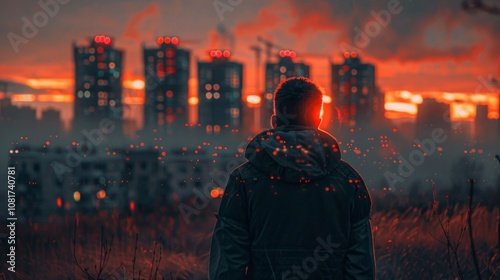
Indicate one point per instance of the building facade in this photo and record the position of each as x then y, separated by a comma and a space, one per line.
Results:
355, 97
98, 81
220, 84
166, 76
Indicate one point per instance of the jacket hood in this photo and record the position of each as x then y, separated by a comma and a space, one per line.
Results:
294, 153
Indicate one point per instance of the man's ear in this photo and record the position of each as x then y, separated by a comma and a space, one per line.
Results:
318, 122
274, 120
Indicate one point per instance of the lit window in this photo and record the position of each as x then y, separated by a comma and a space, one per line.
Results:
354, 72
216, 87
87, 94
216, 95
283, 69
208, 95
216, 129
80, 94
208, 86
235, 112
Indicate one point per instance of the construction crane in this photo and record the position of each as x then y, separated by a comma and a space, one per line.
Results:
269, 47
475, 5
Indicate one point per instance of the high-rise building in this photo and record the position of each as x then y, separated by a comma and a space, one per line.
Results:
220, 83
354, 93
166, 72
431, 115
98, 81
286, 67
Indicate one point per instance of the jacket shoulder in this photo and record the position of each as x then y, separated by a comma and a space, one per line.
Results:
246, 171
345, 171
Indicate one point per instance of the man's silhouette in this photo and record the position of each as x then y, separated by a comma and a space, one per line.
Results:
294, 209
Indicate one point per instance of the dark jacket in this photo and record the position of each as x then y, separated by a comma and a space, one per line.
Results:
293, 210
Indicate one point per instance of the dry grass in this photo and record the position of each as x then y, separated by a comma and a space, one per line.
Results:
404, 244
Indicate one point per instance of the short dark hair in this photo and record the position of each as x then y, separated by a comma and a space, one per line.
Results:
298, 101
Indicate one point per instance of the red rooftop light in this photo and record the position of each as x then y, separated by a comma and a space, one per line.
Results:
347, 54
220, 54
102, 39
354, 54
167, 40
288, 53
159, 40
175, 40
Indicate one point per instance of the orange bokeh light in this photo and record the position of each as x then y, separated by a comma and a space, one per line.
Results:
193, 100
214, 193
253, 99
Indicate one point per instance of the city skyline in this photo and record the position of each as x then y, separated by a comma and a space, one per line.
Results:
455, 55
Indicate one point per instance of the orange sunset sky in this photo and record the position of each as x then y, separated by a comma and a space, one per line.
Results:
427, 49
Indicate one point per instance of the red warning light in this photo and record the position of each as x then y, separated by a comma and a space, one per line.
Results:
347, 54
227, 53
282, 53
293, 54
354, 54
160, 40
218, 53
287, 53
167, 40
212, 53
175, 40
107, 40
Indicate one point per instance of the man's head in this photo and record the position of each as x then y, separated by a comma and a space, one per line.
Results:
297, 101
